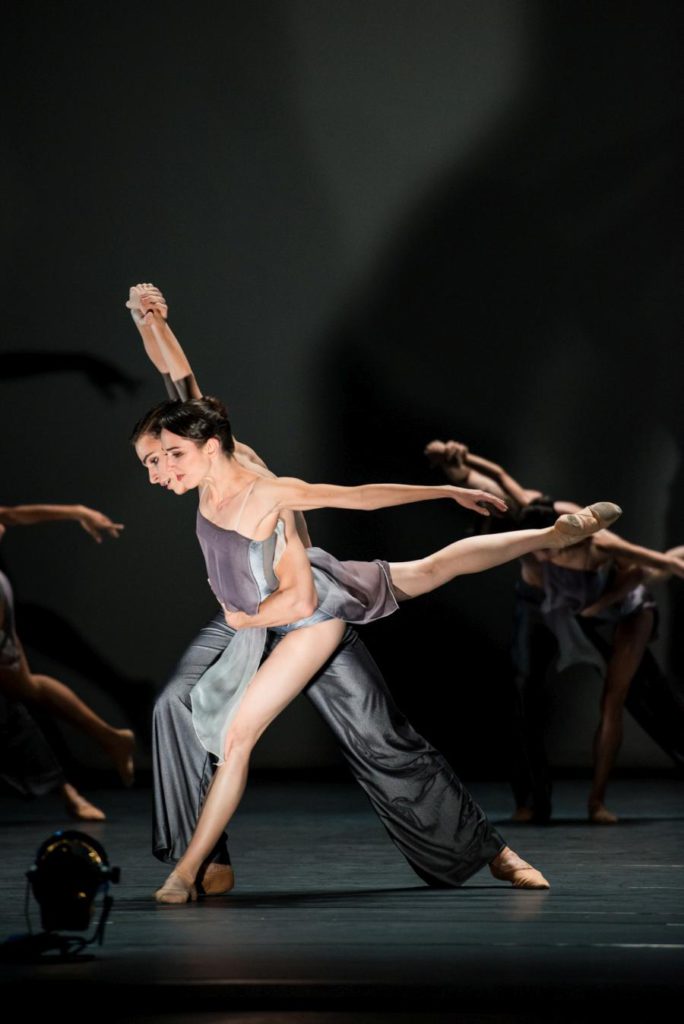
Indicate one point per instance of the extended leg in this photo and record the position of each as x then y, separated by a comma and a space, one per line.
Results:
631, 638
430, 816
476, 554
280, 678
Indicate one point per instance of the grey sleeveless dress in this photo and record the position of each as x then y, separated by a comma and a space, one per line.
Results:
566, 593
241, 575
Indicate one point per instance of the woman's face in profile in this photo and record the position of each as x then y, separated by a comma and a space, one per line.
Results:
187, 462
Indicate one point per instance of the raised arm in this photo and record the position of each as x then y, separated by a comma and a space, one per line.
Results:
93, 522
461, 466
149, 311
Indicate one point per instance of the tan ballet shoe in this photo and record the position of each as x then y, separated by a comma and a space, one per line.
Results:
176, 890
215, 880
507, 866
575, 526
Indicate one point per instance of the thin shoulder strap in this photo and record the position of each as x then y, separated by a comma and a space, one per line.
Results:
244, 501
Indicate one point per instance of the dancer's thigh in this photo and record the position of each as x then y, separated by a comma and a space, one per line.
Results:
631, 639
284, 674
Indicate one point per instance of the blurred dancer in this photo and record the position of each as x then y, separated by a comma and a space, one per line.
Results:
586, 605
36, 690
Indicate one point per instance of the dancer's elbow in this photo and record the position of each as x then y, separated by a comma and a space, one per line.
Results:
304, 607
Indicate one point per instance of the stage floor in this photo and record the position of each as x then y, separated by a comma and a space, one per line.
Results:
326, 916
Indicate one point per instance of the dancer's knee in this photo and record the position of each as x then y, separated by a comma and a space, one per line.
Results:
414, 578
240, 740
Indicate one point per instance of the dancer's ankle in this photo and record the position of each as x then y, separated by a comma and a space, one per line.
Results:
185, 871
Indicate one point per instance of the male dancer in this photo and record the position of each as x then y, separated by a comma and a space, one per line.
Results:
432, 819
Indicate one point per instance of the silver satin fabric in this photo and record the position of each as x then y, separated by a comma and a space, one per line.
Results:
429, 815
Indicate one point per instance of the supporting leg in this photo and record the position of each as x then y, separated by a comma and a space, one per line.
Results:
429, 814
631, 637
280, 678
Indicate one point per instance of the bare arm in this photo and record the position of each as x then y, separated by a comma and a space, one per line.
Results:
460, 466
508, 484
149, 311
93, 522
248, 458
618, 548
297, 495
631, 574
625, 581
295, 597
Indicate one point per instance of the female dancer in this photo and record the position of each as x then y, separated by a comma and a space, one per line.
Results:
601, 581
241, 519
19, 683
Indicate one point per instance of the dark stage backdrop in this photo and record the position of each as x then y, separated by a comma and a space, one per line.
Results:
376, 222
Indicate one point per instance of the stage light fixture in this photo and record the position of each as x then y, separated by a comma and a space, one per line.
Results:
70, 870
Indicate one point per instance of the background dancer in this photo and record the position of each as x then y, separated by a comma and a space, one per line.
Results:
37, 770
589, 605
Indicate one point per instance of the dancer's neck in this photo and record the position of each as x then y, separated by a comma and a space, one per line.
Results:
224, 480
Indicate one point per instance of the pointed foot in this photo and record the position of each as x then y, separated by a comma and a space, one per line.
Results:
573, 527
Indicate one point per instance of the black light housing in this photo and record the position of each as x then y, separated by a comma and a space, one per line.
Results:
69, 870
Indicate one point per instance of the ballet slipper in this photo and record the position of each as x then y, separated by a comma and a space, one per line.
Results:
575, 526
215, 880
507, 866
78, 807
600, 815
121, 752
176, 890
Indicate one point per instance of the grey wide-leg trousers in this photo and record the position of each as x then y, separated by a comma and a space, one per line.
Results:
444, 835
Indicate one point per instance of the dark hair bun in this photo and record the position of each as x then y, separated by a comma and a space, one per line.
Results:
199, 419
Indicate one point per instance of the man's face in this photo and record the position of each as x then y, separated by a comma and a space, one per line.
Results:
153, 457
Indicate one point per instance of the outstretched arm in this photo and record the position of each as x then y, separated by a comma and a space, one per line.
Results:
297, 495
93, 522
620, 549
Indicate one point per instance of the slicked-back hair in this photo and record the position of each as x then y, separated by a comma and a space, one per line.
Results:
198, 419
